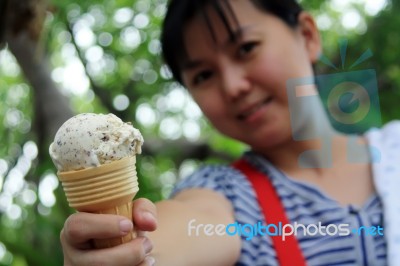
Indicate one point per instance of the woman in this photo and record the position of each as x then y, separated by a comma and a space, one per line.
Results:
236, 58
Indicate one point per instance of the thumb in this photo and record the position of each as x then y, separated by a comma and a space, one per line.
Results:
144, 215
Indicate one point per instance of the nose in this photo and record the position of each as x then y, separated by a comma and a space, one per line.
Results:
234, 81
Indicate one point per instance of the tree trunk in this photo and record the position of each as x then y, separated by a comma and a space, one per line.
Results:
23, 25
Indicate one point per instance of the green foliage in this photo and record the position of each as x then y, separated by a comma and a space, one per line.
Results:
105, 51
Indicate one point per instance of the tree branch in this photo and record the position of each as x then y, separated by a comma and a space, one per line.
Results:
180, 150
3, 21
101, 93
51, 108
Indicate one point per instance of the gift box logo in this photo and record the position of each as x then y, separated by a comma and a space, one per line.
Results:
350, 99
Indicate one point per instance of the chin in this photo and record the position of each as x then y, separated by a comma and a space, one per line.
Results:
271, 140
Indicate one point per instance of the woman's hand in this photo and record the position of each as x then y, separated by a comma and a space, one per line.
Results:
80, 228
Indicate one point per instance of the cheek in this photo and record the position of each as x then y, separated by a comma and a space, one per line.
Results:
271, 75
210, 104
216, 111
274, 69
268, 68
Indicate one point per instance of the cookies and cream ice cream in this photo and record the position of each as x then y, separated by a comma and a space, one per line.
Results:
95, 155
89, 140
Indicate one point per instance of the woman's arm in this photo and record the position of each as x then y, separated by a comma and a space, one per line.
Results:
171, 243
182, 237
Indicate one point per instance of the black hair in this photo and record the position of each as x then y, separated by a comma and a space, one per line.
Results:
181, 11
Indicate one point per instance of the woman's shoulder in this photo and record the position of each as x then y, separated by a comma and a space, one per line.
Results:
216, 172
384, 142
389, 131
221, 178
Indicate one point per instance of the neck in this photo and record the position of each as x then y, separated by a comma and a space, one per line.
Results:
316, 153
334, 150
314, 143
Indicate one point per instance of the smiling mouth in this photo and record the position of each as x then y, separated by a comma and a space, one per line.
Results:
254, 109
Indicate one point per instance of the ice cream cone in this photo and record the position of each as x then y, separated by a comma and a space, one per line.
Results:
106, 189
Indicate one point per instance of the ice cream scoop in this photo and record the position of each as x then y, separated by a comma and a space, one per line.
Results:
95, 155
89, 140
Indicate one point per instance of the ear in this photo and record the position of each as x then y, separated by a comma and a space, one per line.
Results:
309, 31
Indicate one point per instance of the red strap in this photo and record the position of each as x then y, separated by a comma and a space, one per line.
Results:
288, 251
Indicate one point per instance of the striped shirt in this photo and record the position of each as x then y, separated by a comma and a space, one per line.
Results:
305, 204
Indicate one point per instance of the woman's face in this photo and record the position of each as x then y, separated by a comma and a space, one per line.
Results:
240, 85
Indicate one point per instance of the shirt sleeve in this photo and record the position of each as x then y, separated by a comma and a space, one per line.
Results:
237, 189
385, 143
221, 179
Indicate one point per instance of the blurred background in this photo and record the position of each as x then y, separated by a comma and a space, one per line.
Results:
60, 58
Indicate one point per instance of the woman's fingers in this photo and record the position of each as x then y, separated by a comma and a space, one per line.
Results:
148, 261
144, 215
79, 228
132, 253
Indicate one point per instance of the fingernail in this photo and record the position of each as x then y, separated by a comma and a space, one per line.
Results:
147, 245
140, 233
125, 226
149, 216
150, 260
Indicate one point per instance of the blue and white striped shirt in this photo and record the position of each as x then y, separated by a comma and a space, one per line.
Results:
304, 204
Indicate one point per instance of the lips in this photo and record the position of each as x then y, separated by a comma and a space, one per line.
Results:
252, 109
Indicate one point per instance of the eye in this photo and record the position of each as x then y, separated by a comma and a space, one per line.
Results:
246, 48
201, 77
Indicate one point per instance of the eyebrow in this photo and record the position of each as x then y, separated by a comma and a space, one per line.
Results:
233, 37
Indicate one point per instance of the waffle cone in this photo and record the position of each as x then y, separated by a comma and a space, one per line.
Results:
106, 189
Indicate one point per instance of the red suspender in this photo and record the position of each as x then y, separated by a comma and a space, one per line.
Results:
288, 251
